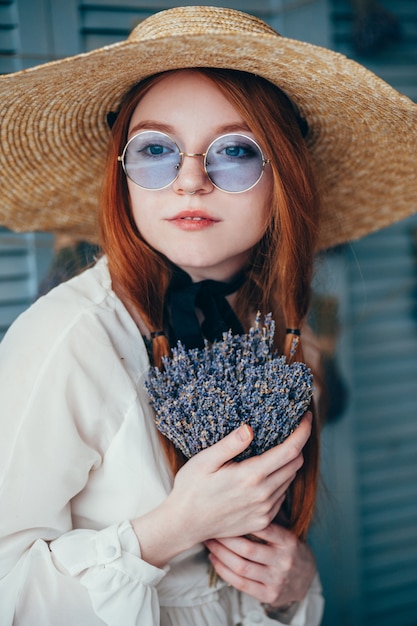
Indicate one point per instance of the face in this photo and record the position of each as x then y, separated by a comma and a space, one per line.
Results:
210, 233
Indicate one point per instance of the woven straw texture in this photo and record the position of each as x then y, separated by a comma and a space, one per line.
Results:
53, 132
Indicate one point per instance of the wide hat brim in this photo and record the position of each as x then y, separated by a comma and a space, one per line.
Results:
53, 135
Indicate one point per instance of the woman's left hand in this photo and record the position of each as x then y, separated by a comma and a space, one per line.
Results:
277, 571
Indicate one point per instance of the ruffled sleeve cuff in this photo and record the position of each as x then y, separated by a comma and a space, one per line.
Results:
121, 585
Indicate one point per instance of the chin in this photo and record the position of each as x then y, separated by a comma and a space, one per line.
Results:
190, 264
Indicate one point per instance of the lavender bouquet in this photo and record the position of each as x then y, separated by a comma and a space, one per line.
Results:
204, 394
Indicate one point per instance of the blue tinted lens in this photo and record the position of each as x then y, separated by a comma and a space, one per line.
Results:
152, 160
234, 163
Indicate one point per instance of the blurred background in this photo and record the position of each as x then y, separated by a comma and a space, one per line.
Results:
365, 304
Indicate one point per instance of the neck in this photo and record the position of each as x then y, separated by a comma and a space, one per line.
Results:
218, 277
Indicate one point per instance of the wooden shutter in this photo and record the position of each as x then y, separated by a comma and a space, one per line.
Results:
23, 257
106, 21
23, 261
366, 533
383, 275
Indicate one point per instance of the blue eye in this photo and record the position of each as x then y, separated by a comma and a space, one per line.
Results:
155, 150
238, 151
151, 146
233, 151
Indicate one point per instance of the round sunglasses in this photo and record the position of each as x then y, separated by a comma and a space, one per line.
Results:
234, 162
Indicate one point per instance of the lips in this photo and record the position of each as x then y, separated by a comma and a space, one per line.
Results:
193, 220
193, 216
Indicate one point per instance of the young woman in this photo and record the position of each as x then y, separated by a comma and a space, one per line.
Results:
209, 213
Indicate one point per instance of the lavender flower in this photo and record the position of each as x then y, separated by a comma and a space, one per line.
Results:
202, 395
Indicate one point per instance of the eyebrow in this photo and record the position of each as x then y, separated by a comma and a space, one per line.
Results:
170, 130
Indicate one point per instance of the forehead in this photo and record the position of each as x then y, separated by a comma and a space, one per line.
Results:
185, 97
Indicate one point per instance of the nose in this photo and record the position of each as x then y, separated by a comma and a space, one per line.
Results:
192, 176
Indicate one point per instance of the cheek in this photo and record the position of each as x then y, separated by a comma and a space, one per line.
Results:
261, 219
138, 207
144, 225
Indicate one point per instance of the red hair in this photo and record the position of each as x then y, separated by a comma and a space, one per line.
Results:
282, 262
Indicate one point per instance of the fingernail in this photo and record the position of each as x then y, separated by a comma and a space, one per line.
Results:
243, 433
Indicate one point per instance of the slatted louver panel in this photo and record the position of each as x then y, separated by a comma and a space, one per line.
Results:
14, 271
16, 284
9, 37
23, 257
382, 340
383, 275
395, 63
106, 21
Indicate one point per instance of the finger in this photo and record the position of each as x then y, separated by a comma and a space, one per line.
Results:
279, 481
226, 449
279, 501
251, 587
232, 560
247, 548
295, 443
277, 535
288, 451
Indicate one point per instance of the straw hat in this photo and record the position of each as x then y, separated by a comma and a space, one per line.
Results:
362, 133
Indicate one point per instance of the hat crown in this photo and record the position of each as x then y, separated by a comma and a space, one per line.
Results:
196, 20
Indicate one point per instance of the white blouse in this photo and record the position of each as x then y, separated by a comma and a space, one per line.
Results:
79, 457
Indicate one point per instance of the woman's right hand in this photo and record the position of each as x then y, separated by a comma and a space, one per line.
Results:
214, 496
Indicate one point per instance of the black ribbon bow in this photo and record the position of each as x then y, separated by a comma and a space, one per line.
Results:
183, 297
